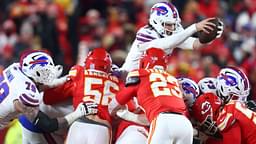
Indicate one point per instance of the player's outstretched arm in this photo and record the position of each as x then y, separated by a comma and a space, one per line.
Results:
47, 124
174, 40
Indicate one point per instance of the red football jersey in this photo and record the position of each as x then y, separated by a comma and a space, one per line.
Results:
157, 91
237, 124
93, 85
87, 85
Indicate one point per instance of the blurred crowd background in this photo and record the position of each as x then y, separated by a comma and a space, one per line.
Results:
70, 28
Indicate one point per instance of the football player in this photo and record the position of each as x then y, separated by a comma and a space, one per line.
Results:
159, 95
235, 122
166, 32
33, 134
20, 85
92, 82
209, 85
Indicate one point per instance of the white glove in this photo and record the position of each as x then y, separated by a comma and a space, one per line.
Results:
87, 108
58, 70
82, 109
220, 29
58, 81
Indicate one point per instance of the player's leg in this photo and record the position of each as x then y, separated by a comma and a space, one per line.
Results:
159, 133
87, 133
169, 128
181, 129
29, 137
133, 135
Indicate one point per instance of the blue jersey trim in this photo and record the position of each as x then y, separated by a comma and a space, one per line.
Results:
28, 125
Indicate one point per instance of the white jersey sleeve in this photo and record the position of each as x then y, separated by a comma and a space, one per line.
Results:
14, 85
170, 42
144, 35
147, 37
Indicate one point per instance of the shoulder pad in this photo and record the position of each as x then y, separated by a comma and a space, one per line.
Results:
132, 78
145, 34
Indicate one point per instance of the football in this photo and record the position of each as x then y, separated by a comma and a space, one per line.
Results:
207, 37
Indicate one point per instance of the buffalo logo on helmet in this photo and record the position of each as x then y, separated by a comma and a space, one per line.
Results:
189, 89
229, 80
161, 10
42, 61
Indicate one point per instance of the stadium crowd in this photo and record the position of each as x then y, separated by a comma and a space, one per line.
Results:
68, 29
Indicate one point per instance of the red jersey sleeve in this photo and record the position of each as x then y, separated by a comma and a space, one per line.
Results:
58, 94
63, 92
126, 94
130, 89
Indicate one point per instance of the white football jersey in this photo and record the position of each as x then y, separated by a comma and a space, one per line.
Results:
145, 35
14, 85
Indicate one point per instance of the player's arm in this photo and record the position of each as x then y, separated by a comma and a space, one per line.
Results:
59, 94
121, 99
47, 124
174, 40
130, 116
125, 94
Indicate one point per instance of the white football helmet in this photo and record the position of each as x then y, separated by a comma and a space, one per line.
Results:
190, 90
161, 14
38, 66
208, 85
231, 83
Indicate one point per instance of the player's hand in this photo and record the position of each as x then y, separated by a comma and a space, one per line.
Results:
220, 29
58, 81
205, 25
115, 70
58, 70
87, 108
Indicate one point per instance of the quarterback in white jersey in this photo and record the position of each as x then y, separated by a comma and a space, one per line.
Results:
165, 31
19, 92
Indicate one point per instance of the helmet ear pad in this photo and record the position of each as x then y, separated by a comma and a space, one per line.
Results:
38, 65
153, 58
98, 59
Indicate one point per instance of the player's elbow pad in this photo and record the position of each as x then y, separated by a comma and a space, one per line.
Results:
45, 123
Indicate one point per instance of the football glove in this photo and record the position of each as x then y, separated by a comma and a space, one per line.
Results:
220, 29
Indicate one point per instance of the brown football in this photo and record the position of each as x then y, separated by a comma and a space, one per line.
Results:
207, 37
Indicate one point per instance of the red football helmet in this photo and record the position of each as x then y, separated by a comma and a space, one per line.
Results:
98, 59
153, 58
205, 111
